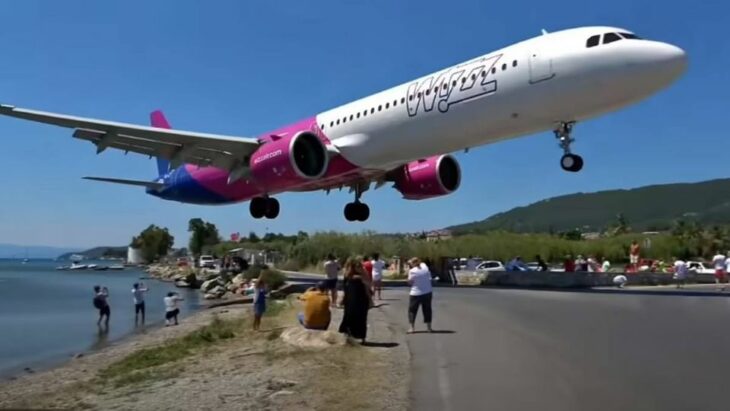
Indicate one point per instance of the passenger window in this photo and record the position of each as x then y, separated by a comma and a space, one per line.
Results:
504, 67
610, 38
350, 117
358, 114
484, 73
514, 63
473, 76
453, 83
402, 100
395, 102
338, 121
380, 108
372, 110
332, 123
344, 120
387, 106
593, 41
494, 70
410, 98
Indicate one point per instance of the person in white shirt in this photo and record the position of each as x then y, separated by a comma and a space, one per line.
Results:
718, 261
138, 290
171, 310
419, 278
378, 267
680, 273
606, 265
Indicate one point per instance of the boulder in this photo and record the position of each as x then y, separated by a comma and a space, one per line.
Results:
210, 284
182, 284
238, 280
304, 338
217, 290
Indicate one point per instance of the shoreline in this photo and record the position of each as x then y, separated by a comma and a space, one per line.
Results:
250, 370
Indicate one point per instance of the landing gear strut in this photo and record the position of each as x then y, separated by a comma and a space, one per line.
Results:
357, 211
264, 207
569, 161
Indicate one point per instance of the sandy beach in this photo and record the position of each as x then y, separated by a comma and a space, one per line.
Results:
241, 369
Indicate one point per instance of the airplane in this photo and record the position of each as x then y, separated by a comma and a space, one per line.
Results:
403, 135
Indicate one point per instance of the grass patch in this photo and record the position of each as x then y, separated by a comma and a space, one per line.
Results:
142, 365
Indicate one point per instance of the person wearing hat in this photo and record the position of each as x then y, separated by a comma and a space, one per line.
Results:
316, 315
421, 293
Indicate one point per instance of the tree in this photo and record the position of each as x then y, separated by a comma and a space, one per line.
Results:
253, 238
621, 226
204, 234
154, 242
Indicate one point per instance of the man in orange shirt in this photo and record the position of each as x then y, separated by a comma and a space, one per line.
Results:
634, 251
316, 315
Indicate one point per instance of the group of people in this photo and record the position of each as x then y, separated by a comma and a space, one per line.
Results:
101, 303
362, 280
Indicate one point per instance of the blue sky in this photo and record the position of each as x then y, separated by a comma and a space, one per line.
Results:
242, 68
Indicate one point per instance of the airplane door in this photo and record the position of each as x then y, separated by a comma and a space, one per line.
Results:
541, 66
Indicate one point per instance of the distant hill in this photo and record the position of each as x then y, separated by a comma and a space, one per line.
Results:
31, 251
647, 208
97, 253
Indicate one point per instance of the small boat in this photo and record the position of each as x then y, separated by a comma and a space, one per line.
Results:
62, 268
77, 266
116, 267
92, 266
100, 268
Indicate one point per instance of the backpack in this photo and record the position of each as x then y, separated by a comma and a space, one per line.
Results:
98, 302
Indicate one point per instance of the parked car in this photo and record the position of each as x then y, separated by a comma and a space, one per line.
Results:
490, 265
206, 261
699, 267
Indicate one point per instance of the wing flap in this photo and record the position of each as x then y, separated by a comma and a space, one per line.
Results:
177, 146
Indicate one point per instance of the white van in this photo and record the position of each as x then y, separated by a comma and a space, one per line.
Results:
206, 261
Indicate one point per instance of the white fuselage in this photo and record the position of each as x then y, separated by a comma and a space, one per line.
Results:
524, 88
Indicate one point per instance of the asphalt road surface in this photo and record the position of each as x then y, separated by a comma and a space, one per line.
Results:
560, 350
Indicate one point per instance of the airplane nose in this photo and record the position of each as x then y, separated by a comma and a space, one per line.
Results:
668, 58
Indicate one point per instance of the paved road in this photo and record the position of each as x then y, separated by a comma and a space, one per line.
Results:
558, 350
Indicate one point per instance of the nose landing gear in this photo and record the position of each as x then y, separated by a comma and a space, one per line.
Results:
264, 207
569, 161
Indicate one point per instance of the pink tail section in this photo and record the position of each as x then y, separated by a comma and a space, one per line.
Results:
157, 119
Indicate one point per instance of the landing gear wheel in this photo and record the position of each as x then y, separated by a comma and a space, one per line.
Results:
363, 212
257, 207
272, 208
357, 211
571, 162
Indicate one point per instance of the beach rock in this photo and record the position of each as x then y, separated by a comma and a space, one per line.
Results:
178, 277
238, 280
210, 297
280, 394
304, 338
182, 284
277, 384
79, 355
210, 284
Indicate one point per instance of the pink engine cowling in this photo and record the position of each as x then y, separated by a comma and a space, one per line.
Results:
288, 161
432, 177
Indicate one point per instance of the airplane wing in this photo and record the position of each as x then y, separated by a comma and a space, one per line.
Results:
147, 184
177, 146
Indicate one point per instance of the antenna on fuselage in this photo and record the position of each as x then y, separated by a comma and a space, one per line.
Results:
544, 32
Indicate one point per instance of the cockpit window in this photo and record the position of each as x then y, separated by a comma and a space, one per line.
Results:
630, 36
593, 40
610, 38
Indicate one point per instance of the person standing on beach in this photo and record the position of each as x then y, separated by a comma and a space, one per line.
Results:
138, 290
378, 267
101, 303
259, 302
356, 301
171, 310
421, 293
332, 269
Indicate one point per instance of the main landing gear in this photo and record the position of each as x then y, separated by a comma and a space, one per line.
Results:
569, 161
264, 207
357, 211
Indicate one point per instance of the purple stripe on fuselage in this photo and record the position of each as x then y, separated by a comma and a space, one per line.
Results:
209, 185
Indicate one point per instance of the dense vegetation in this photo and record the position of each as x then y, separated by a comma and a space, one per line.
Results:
154, 242
97, 253
652, 208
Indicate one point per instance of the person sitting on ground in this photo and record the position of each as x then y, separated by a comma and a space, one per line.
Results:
171, 310
516, 265
316, 315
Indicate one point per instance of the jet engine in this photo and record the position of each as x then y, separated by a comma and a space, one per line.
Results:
287, 161
431, 177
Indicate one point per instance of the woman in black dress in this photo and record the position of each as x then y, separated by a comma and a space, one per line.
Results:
356, 301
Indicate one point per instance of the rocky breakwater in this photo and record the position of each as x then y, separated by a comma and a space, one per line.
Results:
226, 284
184, 277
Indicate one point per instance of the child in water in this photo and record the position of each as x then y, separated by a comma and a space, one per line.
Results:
259, 302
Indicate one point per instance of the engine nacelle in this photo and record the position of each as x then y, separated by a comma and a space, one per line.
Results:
432, 177
288, 161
